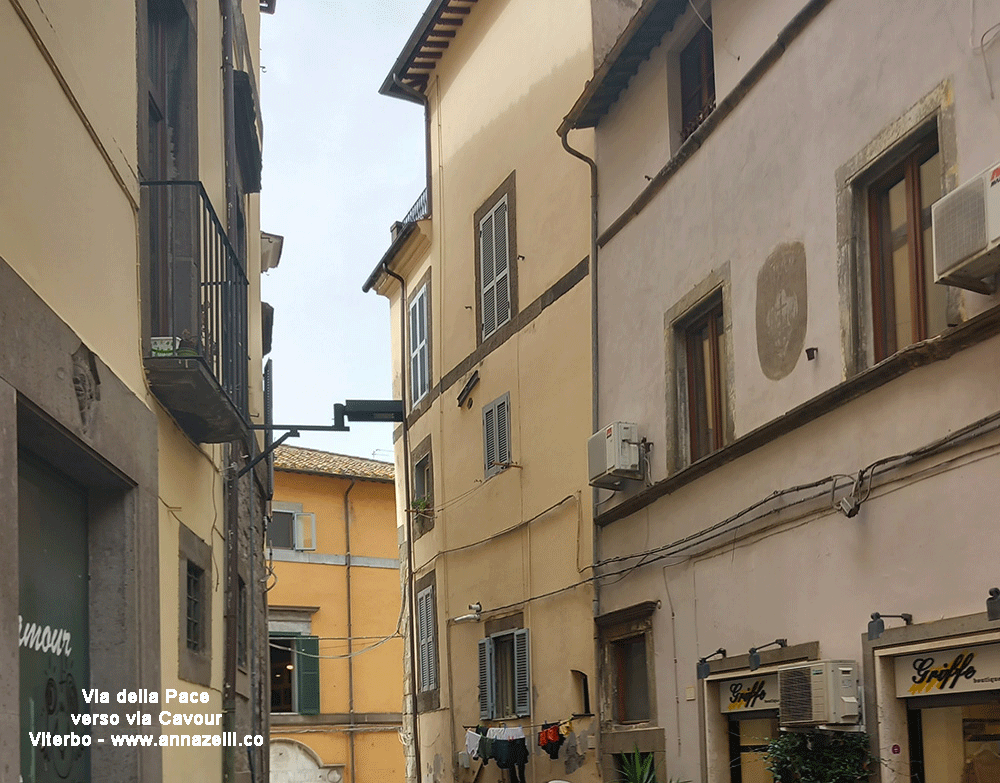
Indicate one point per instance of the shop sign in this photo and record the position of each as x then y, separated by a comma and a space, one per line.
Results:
749, 694
955, 670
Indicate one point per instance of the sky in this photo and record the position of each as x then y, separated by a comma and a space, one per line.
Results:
341, 164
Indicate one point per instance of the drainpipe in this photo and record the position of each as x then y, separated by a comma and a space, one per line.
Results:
595, 423
350, 631
231, 452
409, 523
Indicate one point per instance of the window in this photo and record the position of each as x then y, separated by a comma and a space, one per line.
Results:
707, 383
631, 695
426, 632
291, 529
697, 67
419, 350
496, 255
906, 304
627, 656
504, 677
426, 641
195, 607
194, 638
496, 436
295, 674
423, 492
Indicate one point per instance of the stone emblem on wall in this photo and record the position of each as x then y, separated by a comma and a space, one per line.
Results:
782, 312
293, 762
86, 384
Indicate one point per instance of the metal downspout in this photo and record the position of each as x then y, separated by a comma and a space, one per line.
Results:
409, 526
350, 628
231, 452
595, 388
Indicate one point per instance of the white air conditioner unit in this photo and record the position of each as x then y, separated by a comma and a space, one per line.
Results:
820, 693
966, 225
613, 455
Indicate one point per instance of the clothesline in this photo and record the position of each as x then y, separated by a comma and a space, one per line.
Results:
525, 726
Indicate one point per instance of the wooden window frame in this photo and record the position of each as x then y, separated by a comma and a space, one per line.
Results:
703, 42
505, 192
880, 256
709, 316
419, 348
427, 668
430, 699
495, 459
520, 650
615, 648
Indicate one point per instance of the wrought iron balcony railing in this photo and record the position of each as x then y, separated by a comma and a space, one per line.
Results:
198, 313
419, 210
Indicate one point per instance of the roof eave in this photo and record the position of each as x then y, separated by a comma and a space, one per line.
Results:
585, 114
389, 87
390, 254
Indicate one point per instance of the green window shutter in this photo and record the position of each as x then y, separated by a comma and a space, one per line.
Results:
307, 674
522, 674
485, 678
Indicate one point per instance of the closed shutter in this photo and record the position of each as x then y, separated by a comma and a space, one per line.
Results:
419, 365
503, 432
522, 674
307, 674
489, 439
496, 435
494, 268
485, 678
426, 648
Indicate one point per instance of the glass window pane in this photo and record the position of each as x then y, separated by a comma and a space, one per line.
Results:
279, 532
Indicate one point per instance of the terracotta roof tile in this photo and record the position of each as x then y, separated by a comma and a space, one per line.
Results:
300, 460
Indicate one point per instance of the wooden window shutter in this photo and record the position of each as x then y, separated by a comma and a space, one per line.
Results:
494, 262
485, 678
307, 674
522, 674
419, 379
489, 439
425, 638
503, 433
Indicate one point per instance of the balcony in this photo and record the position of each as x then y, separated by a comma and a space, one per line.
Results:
197, 362
420, 209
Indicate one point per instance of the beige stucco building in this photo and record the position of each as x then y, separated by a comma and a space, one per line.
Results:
334, 619
818, 416
130, 375
490, 306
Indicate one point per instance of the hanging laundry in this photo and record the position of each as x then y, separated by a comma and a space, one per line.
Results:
472, 743
565, 727
550, 739
485, 750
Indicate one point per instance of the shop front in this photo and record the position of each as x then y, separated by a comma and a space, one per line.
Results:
938, 702
750, 706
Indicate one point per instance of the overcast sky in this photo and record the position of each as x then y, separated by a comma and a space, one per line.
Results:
341, 163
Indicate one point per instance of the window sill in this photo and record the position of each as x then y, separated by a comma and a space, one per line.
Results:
951, 341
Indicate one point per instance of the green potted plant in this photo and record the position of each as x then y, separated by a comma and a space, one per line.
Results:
841, 757
637, 767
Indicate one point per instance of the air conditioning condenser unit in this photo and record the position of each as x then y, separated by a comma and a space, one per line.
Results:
819, 693
966, 231
613, 455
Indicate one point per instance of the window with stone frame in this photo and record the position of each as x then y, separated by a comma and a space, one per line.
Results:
907, 306
496, 260
627, 649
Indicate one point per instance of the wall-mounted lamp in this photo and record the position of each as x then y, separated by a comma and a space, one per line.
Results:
475, 617
755, 652
993, 604
704, 668
876, 626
